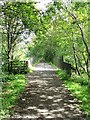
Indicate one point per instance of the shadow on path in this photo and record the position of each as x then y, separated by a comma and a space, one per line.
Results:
46, 98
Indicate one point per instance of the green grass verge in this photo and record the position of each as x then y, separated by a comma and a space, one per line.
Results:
82, 94
11, 90
78, 85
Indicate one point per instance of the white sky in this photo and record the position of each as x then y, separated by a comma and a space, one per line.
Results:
42, 4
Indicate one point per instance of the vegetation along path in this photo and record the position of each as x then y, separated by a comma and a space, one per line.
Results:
46, 98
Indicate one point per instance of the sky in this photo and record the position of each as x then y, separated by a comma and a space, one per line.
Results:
42, 4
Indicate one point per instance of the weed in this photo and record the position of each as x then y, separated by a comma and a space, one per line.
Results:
11, 89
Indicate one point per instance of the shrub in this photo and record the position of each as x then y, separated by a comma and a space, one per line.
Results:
11, 90
82, 80
62, 74
6, 77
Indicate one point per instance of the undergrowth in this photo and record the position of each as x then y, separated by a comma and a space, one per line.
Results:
62, 74
78, 85
12, 87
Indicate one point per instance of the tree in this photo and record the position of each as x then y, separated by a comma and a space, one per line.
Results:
17, 17
78, 18
67, 34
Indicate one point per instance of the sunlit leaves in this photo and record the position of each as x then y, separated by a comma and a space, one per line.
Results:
80, 91
12, 88
64, 23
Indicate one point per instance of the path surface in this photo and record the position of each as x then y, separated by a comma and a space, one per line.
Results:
47, 98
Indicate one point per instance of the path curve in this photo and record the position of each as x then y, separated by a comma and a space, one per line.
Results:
46, 98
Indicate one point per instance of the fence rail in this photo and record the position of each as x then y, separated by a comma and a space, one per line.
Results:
16, 67
19, 67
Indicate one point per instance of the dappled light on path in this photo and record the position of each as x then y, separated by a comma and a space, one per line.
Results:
47, 98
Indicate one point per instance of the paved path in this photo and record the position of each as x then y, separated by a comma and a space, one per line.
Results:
47, 98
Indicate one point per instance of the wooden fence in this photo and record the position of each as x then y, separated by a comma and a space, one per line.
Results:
19, 67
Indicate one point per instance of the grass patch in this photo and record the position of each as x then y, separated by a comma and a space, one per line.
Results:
11, 90
81, 92
78, 85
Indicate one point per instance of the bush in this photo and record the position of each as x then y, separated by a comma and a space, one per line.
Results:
81, 93
6, 77
78, 85
11, 90
62, 74
82, 80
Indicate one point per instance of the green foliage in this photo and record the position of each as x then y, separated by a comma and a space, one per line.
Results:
82, 80
62, 74
57, 31
60, 31
78, 85
17, 17
6, 77
11, 90
49, 55
80, 91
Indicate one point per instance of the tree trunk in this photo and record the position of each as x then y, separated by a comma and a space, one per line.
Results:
75, 57
8, 56
11, 63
